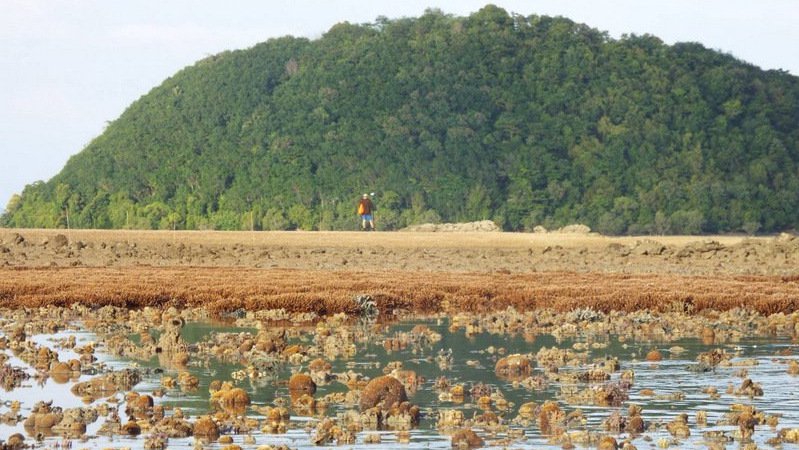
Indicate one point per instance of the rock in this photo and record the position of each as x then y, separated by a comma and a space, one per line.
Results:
60, 367
155, 443
302, 402
635, 425
466, 438
206, 428
513, 366
483, 225
42, 420
449, 418
172, 427
527, 410
15, 442
749, 388
790, 435
131, 428
614, 423
180, 359
713, 357
384, 392
550, 417
679, 426
170, 341
575, 229
654, 355
611, 394
75, 365
74, 421
12, 377
188, 381
59, 241
402, 416
107, 385
488, 418
372, 438
325, 432
746, 422
301, 383
708, 335
139, 403
698, 368
619, 249
699, 247
607, 443
230, 398
648, 247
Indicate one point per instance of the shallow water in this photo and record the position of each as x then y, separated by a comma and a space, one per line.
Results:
472, 362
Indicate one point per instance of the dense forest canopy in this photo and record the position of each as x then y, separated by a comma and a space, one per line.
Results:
523, 120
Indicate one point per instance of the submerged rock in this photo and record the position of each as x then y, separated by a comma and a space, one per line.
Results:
513, 366
206, 428
466, 438
384, 392
107, 385
302, 383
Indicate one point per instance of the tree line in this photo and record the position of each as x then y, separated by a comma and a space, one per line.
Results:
522, 120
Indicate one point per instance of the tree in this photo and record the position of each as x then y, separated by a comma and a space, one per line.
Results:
300, 217
274, 220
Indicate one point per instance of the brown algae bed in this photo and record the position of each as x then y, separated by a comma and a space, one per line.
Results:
148, 378
324, 292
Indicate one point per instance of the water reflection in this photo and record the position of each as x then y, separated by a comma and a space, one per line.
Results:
454, 374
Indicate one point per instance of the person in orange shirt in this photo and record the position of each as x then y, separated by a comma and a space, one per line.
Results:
365, 210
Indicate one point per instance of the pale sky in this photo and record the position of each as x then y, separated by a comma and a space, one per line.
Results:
71, 66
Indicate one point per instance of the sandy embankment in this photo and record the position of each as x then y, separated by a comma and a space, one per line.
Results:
322, 271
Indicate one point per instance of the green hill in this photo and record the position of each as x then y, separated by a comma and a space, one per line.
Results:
523, 120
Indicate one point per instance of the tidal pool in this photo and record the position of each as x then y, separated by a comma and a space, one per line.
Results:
449, 355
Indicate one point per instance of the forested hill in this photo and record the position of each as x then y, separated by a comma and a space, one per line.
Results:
523, 120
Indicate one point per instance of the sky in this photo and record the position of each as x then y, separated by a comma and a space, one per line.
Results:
71, 66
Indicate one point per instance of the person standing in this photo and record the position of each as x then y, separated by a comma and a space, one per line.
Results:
365, 210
